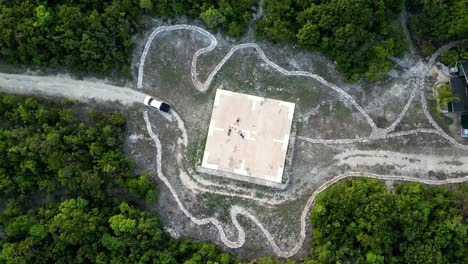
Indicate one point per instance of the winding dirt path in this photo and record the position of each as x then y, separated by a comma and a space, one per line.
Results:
203, 86
377, 134
237, 210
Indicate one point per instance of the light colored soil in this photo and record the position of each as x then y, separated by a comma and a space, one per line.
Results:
65, 86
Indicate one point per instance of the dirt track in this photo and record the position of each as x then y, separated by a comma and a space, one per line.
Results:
64, 86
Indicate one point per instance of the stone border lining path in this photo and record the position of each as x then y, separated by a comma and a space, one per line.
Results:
213, 43
376, 134
237, 210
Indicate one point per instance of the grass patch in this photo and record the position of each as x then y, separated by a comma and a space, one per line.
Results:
195, 152
381, 121
443, 120
259, 195
218, 205
255, 80
342, 111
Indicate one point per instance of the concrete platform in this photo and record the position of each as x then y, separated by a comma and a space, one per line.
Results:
248, 136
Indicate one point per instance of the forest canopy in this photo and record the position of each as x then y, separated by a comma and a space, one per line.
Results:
434, 23
359, 35
95, 37
88, 37
231, 16
360, 221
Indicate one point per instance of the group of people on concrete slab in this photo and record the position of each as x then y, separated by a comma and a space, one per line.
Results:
235, 126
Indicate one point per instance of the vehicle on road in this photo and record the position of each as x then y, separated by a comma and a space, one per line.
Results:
157, 104
464, 125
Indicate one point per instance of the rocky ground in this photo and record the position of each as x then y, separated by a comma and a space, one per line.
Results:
368, 128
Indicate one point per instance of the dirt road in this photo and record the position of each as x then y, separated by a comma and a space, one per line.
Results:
64, 86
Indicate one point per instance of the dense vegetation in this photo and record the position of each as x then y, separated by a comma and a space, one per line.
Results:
95, 37
434, 23
359, 221
232, 16
82, 36
359, 35
68, 194
454, 55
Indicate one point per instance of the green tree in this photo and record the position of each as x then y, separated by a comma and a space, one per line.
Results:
146, 4
120, 224
212, 18
433, 23
309, 36
444, 96
43, 16
61, 214
75, 223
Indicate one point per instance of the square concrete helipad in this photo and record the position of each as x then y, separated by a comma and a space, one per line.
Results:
248, 138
